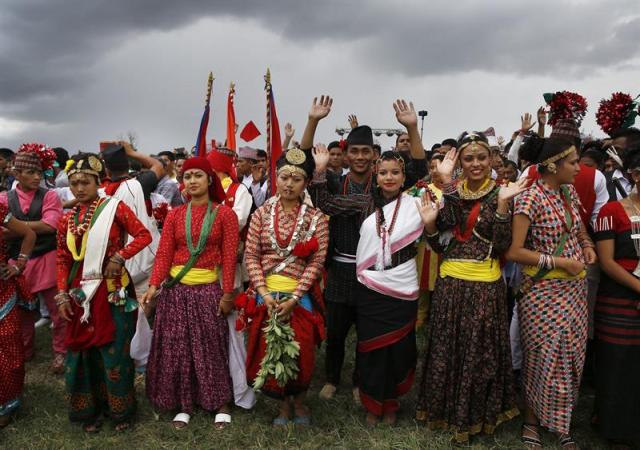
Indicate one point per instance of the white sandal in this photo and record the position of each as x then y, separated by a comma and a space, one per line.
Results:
221, 420
181, 420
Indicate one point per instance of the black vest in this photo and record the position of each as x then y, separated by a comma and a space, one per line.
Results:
44, 242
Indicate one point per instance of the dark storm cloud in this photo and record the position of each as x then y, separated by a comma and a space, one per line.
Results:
49, 48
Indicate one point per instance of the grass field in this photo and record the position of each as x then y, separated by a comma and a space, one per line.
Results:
338, 424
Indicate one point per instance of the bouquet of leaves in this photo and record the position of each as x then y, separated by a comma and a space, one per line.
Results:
281, 353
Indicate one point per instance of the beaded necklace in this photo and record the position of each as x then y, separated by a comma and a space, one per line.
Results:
274, 228
380, 215
80, 229
348, 182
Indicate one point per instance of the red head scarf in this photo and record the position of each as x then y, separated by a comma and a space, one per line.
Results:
216, 192
223, 160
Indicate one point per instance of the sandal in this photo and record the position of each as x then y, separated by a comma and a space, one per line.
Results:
221, 420
304, 421
180, 421
122, 427
280, 421
91, 427
566, 441
531, 441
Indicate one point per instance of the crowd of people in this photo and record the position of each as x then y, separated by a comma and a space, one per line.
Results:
518, 260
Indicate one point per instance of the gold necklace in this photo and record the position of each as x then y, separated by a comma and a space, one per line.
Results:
466, 194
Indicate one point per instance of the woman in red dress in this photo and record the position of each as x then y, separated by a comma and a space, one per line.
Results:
11, 348
97, 299
189, 360
285, 252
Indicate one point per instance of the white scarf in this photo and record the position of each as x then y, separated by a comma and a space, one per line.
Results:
94, 256
400, 281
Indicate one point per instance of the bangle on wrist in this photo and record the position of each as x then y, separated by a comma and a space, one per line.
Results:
61, 298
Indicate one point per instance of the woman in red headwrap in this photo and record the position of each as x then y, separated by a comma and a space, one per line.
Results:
189, 361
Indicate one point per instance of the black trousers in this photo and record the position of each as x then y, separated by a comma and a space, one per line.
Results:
340, 317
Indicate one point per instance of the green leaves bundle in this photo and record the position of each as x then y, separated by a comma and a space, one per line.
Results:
281, 354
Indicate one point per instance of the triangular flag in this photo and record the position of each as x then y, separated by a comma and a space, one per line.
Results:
249, 132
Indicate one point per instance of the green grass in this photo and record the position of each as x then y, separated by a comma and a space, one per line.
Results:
338, 424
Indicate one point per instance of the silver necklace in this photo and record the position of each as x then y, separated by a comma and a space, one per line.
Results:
285, 251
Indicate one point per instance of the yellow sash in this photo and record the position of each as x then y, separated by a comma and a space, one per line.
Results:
195, 276
487, 271
555, 274
281, 283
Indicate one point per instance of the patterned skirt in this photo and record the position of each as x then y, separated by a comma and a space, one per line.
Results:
99, 380
189, 360
467, 383
11, 353
553, 317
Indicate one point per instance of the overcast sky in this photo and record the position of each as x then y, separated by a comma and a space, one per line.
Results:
74, 72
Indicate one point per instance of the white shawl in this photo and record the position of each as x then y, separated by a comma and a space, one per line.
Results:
402, 281
97, 242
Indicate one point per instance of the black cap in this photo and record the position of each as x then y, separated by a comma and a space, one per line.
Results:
361, 135
333, 144
115, 158
7, 153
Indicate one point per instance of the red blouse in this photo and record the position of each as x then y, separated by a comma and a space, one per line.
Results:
125, 222
221, 246
261, 258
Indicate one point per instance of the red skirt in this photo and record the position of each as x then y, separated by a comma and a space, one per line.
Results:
309, 333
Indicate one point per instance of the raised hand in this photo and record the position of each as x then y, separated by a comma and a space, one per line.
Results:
320, 109
428, 209
321, 157
507, 193
289, 131
542, 116
446, 167
405, 113
353, 121
525, 123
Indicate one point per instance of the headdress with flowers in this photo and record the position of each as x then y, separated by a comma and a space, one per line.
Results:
617, 112
565, 105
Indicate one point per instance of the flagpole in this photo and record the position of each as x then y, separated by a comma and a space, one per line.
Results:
201, 141
267, 89
209, 89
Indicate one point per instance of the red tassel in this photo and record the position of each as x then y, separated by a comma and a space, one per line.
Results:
305, 249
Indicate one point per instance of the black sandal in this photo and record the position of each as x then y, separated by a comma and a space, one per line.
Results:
531, 441
566, 440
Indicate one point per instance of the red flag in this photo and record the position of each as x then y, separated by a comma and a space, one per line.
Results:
249, 132
275, 144
231, 119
